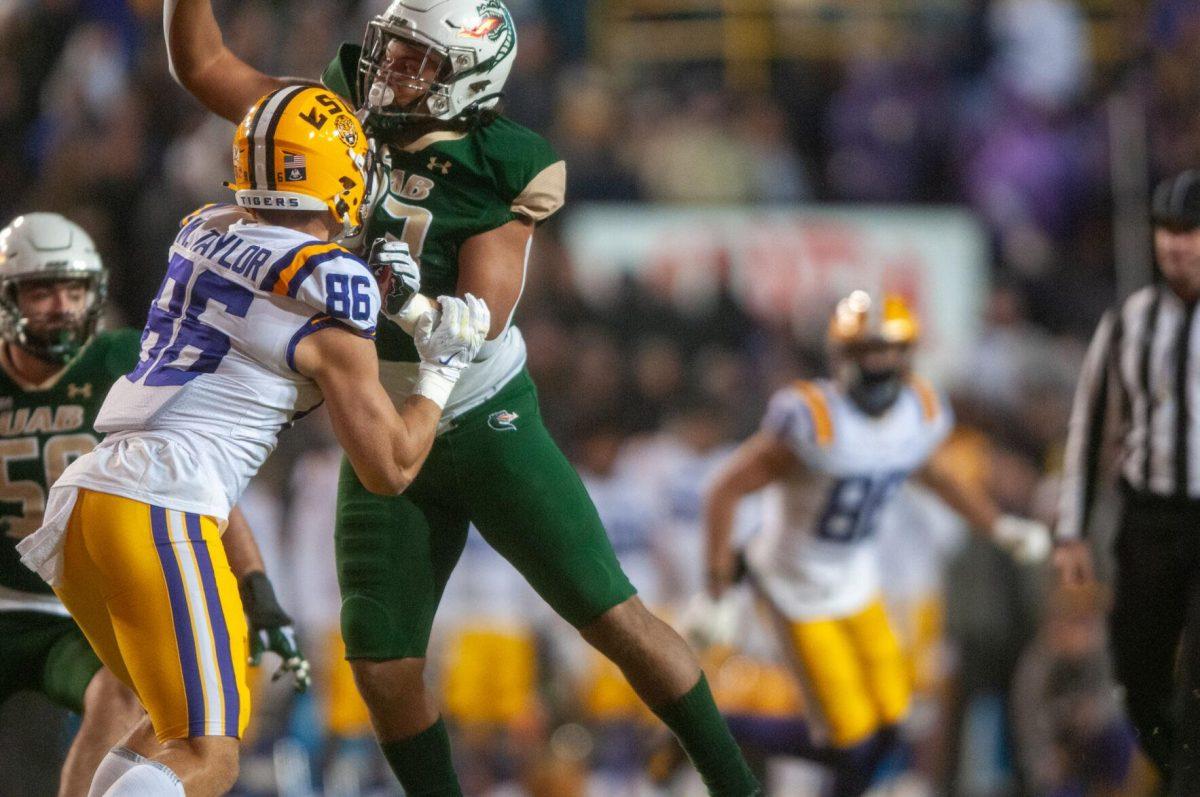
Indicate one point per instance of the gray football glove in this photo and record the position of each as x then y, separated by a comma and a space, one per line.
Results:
398, 274
271, 630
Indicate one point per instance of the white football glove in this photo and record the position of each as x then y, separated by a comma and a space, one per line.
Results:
447, 343
706, 621
398, 275
1027, 541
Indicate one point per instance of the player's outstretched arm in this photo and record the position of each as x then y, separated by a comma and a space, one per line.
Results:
1027, 540
202, 64
756, 463
386, 447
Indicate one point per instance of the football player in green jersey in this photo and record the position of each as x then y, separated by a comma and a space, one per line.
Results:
461, 188
55, 370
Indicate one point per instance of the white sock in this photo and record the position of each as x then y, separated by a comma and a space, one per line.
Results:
146, 779
118, 761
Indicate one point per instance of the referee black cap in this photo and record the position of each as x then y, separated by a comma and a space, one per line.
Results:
1176, 202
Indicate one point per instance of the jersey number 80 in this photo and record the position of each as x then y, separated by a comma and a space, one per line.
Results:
852, 511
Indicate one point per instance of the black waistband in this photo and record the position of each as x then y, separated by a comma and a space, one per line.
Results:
1148, 501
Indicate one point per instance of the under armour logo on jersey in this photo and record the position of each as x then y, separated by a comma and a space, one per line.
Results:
434, 165
503, 421
79, 391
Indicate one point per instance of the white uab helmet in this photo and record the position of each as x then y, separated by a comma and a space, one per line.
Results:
474, 41
45, 247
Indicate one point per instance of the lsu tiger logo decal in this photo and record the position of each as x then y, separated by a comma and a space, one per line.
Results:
345, 131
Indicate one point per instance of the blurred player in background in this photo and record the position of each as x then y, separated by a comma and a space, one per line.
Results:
131, 529
676, 465
834, 452
1066, 702
55, 370
463, 188
633, 518
488, 667
349, 754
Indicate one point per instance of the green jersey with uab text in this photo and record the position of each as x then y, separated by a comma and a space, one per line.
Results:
43, 428
435, 193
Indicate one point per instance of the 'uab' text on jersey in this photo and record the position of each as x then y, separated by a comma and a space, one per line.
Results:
197, 417
43, 429
434, 194
816, 554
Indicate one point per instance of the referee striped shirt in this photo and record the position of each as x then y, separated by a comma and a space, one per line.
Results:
1138, 397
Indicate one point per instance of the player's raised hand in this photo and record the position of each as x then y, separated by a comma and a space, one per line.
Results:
452, 338
271, 631
707, 622
397, 272
1028, 541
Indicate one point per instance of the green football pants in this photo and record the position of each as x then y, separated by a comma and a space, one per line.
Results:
45, 653
498, 468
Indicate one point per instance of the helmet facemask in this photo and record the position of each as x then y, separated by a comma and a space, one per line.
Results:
394, 60
353, 219
873, 373
444, 62
55, 338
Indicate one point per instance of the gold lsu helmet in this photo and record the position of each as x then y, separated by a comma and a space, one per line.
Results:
301, 148
861, 318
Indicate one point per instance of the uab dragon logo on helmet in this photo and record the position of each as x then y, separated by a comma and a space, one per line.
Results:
435, 59
301, 148
48, 248
493, 22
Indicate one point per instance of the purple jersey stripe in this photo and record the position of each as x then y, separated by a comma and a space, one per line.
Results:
216, 619
285, 260
309, 266
182, 620
317, 322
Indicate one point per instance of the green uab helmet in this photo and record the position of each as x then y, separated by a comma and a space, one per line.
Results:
472, 44
45, 247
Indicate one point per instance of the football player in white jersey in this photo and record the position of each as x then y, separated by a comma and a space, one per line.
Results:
56, 368
259, 319
832, 452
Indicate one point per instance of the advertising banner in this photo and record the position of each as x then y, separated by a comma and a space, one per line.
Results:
789, 266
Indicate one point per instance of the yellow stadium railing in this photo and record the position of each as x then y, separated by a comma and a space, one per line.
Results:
746, 37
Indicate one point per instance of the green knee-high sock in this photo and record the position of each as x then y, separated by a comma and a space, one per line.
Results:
422, 763
702, 732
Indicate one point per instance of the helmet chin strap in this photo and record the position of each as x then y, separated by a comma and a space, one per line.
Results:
57, 347
874, 391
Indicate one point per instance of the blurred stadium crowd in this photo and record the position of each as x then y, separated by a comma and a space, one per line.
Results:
1020, 110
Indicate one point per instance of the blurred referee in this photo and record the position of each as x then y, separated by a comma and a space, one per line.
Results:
1137, 415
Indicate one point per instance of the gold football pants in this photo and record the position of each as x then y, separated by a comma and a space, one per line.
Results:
152, 590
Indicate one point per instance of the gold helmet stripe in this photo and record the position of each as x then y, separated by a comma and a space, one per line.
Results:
251, 167
263, 151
